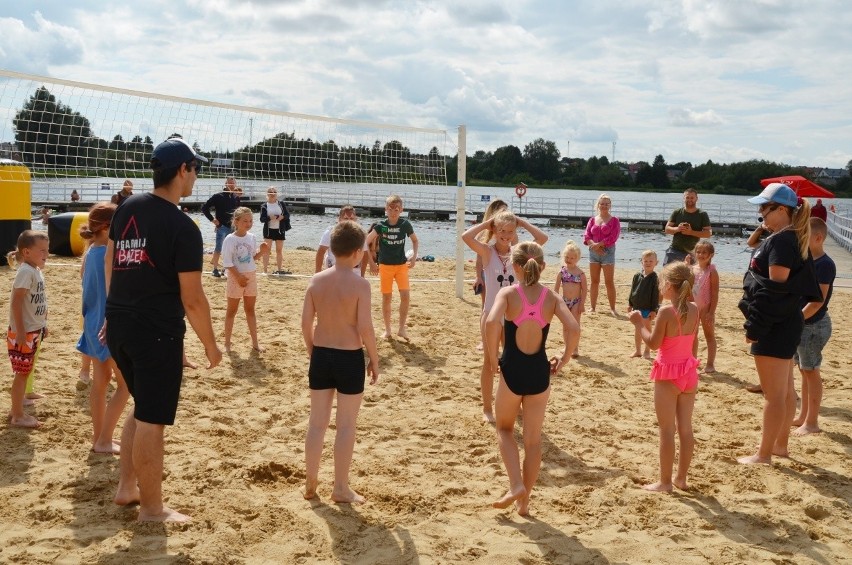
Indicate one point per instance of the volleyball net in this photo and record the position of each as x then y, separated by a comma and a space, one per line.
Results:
61, 128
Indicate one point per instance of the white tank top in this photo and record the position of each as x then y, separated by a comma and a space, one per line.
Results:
497, 274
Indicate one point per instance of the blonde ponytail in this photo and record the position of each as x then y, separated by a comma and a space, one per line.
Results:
529, 256
680, 276
802, 226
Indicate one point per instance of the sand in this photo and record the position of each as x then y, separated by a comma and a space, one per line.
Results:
426, 463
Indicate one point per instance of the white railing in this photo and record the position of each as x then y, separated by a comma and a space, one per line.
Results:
840, 230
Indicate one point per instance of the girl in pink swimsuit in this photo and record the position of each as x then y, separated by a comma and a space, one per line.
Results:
706, 298
675, 372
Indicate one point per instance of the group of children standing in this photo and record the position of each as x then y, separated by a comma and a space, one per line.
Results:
337, 324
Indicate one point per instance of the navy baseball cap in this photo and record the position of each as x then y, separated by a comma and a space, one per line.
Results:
173, 153
777, 192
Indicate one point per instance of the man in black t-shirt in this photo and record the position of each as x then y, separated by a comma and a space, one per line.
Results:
687, 225
153, 271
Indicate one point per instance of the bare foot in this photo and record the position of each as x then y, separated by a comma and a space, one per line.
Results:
658, 487
25, 421
575, 354
386, 334
310, 489
403, 333
805, 429
681, 484
511, 496
188, 363
29, 402
350, 497
479, 346
781, 452
522, 505
754, 460
226, 347
646, 355
709, 369
636, 354
488, 417
124, 496
167, 515
754, 388
111, 448
33, 396
613, 313
257, 348
84, 377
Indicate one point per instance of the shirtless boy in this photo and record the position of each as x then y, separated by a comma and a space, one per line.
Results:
339, 299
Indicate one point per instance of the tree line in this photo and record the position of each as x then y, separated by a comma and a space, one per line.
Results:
51, 135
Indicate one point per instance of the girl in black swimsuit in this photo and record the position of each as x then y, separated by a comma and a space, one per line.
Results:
525, 310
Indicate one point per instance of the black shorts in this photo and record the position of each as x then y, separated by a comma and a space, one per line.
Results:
341, 369
783, 339
152, 365
275, 234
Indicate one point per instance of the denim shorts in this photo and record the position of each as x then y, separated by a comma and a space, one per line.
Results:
814, 338
221, 233
673, 255
605, 258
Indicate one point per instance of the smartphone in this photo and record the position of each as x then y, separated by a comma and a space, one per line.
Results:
478, 289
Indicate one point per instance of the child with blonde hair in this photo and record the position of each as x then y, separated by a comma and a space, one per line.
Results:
706, 297
239, 253
498, 273
27, 320
571, 280
105, 415
523, 312
675, 372
645, 298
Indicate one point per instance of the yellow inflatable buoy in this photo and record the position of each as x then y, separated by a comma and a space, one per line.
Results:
64, 233
15, 211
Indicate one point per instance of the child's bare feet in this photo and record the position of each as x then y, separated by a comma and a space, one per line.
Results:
226, 347
805, 429
188, 363
479, 346
111, 448
348, 497
646, 355
681, 484
126, 495
257, 348
386, 334
511, 496
25, 421
31, 397
84, 377
522, 505
709, 369
167, 515
754, 460
636, 354
613, 313
310, 489
488, 417
403, 333
658, 487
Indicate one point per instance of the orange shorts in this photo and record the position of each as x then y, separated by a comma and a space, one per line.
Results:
23, 352
237, 291
390, 273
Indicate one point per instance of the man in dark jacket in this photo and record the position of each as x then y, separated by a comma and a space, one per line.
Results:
223, 203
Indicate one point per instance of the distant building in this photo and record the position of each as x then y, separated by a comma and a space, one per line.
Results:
8, 150
221, 163
831, 176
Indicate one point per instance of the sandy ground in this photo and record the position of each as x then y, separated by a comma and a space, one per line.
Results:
427, 464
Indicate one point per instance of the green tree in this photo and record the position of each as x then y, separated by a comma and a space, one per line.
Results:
49, 133
541, 160
507, 162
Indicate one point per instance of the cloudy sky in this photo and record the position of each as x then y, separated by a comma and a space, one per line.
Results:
727, 80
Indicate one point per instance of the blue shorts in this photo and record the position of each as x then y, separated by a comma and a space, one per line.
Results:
814, 337
673, 255
605, 258
645, 313
221, 233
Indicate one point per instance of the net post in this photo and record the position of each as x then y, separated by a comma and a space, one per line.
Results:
460, 209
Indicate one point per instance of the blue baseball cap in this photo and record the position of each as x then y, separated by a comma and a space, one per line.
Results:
777, 192
173, 153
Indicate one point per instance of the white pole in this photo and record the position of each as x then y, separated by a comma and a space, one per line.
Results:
460, 210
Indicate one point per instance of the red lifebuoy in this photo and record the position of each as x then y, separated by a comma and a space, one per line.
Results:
521, 190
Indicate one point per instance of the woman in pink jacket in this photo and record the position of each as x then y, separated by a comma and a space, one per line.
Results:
602, 232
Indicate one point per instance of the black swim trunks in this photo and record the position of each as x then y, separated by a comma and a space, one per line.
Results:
341, 369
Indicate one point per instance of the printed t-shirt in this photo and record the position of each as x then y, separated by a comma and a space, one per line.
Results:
35, 303
392, 241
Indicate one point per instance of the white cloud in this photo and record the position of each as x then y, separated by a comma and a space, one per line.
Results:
684, 117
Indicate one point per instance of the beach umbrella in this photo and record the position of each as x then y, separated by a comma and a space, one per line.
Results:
801, 186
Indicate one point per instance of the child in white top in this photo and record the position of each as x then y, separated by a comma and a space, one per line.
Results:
571, 281
239, 253
706, 298
27, 320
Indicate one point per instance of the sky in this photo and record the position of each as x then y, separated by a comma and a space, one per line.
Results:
691, 80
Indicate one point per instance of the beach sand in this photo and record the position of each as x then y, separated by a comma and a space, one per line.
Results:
427, 464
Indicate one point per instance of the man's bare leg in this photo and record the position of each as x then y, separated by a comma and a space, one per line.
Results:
148, 463
507, 404
321, 403
346, 419
404, 303
128, 489
386, 314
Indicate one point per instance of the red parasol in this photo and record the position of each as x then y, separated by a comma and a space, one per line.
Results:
802, 186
